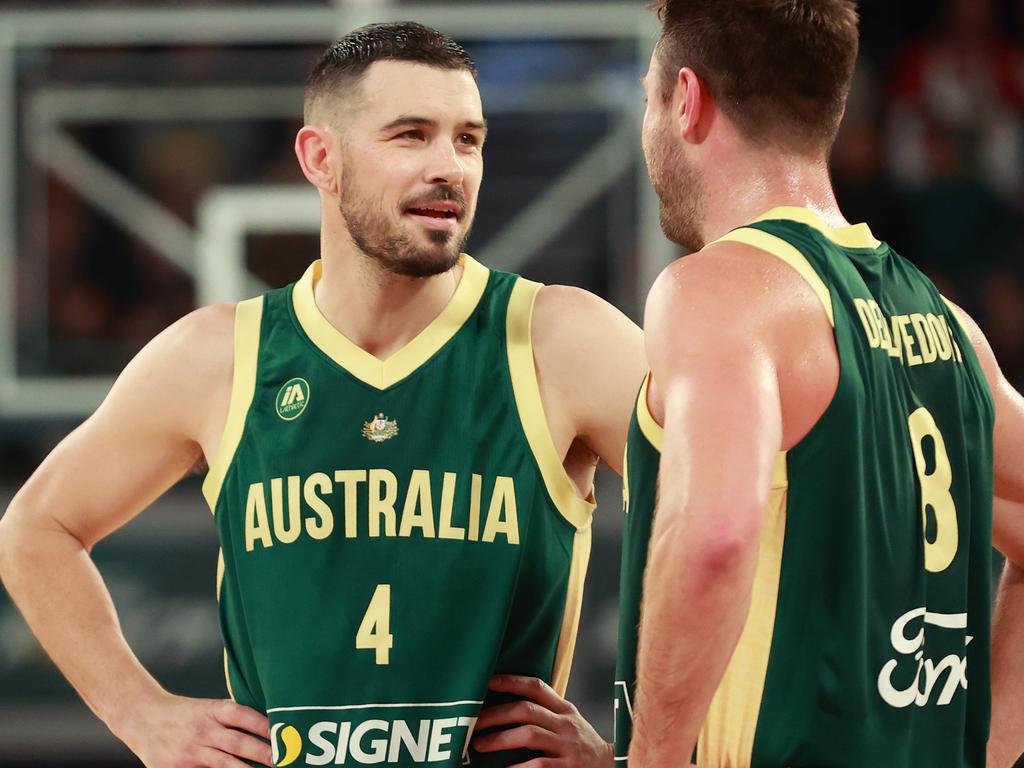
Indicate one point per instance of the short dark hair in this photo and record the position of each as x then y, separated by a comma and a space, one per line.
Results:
346, 61
779, 69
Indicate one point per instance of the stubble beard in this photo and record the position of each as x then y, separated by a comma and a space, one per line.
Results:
391, 247
680, 189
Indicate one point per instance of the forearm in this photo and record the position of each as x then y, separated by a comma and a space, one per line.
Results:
1007, 740
58, 589
696, 600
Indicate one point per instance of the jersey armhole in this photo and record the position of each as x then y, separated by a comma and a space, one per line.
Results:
248, 316
788, 254
577, 511
650, 428
526, 390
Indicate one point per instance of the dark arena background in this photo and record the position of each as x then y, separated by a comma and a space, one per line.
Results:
146, 167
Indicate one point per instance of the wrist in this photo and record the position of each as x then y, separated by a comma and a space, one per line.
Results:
609, 754
124, 714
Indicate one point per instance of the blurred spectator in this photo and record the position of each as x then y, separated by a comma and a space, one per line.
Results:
966, 81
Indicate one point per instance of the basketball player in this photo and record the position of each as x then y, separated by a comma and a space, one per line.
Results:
819, 423
401, 451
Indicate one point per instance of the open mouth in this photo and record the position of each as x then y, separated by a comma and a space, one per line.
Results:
440, 215
434, 213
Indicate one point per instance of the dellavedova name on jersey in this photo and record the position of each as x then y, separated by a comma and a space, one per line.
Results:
915, 339
365, 502
373, 742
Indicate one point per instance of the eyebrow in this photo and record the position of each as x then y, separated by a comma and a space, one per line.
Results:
426, 122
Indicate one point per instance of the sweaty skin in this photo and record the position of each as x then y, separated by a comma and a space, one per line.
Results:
168, 408
743, 364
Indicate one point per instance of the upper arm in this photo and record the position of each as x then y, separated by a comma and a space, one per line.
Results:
148, 432
590, 363
1008, 446
713, 367
1008, 438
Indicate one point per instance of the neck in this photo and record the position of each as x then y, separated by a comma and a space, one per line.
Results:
755, 181
374, 308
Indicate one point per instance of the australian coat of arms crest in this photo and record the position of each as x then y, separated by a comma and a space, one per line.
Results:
380, 428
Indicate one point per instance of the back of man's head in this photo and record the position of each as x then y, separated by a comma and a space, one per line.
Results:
333, 83
780, 70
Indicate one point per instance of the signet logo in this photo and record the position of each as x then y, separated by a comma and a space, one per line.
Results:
292, 399
289, 738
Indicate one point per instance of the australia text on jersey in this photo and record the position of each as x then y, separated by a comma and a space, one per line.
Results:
367, 504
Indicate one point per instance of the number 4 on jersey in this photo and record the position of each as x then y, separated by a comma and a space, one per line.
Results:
375, 629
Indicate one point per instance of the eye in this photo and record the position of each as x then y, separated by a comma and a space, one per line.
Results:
469, 139
415, 134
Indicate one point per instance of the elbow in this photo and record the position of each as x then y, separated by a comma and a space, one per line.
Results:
710, 546
723, 552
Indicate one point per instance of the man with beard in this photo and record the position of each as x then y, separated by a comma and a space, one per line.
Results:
401, 452
818, 423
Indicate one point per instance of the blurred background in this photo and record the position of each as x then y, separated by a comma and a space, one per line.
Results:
146, 168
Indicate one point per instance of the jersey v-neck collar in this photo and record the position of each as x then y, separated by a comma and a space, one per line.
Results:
369, 369
852, 236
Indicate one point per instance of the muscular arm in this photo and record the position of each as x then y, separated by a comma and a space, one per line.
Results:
1007, 737
719, 392
590, 362
146, 435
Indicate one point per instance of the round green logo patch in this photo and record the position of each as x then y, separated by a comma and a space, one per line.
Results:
292, 399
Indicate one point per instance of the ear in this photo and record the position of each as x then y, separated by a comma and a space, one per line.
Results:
312, 145
689, 100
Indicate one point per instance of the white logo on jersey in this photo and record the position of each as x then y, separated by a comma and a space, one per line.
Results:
929, 673
292, 399
389, 741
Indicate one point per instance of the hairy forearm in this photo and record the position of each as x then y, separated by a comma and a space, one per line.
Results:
696, 600
1007, 741
58, 589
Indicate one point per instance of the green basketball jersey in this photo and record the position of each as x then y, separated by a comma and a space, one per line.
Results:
392, 532
867, 642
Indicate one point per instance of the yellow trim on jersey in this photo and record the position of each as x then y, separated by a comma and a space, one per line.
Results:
573, 606
790, 255
531, 408
385, 373
650, 428
727, 737
220, 571
227, 677
852, 236
248, 316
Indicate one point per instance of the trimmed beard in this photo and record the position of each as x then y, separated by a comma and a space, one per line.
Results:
393, 249
680, 189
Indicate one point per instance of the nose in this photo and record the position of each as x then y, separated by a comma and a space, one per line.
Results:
445, 165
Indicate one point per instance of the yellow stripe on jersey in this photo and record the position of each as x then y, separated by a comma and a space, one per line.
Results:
650, 428
248, 316
727, 737
790, 255
526, 390
371, 370
573, 606
853, 236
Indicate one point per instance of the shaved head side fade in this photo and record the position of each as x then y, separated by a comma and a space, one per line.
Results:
780, 70
331, 85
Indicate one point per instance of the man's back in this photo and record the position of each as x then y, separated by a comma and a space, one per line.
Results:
873, 576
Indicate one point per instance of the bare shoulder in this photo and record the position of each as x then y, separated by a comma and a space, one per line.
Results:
574, 330
726, 289
204, 338
590, 362
982, 348
187, 370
